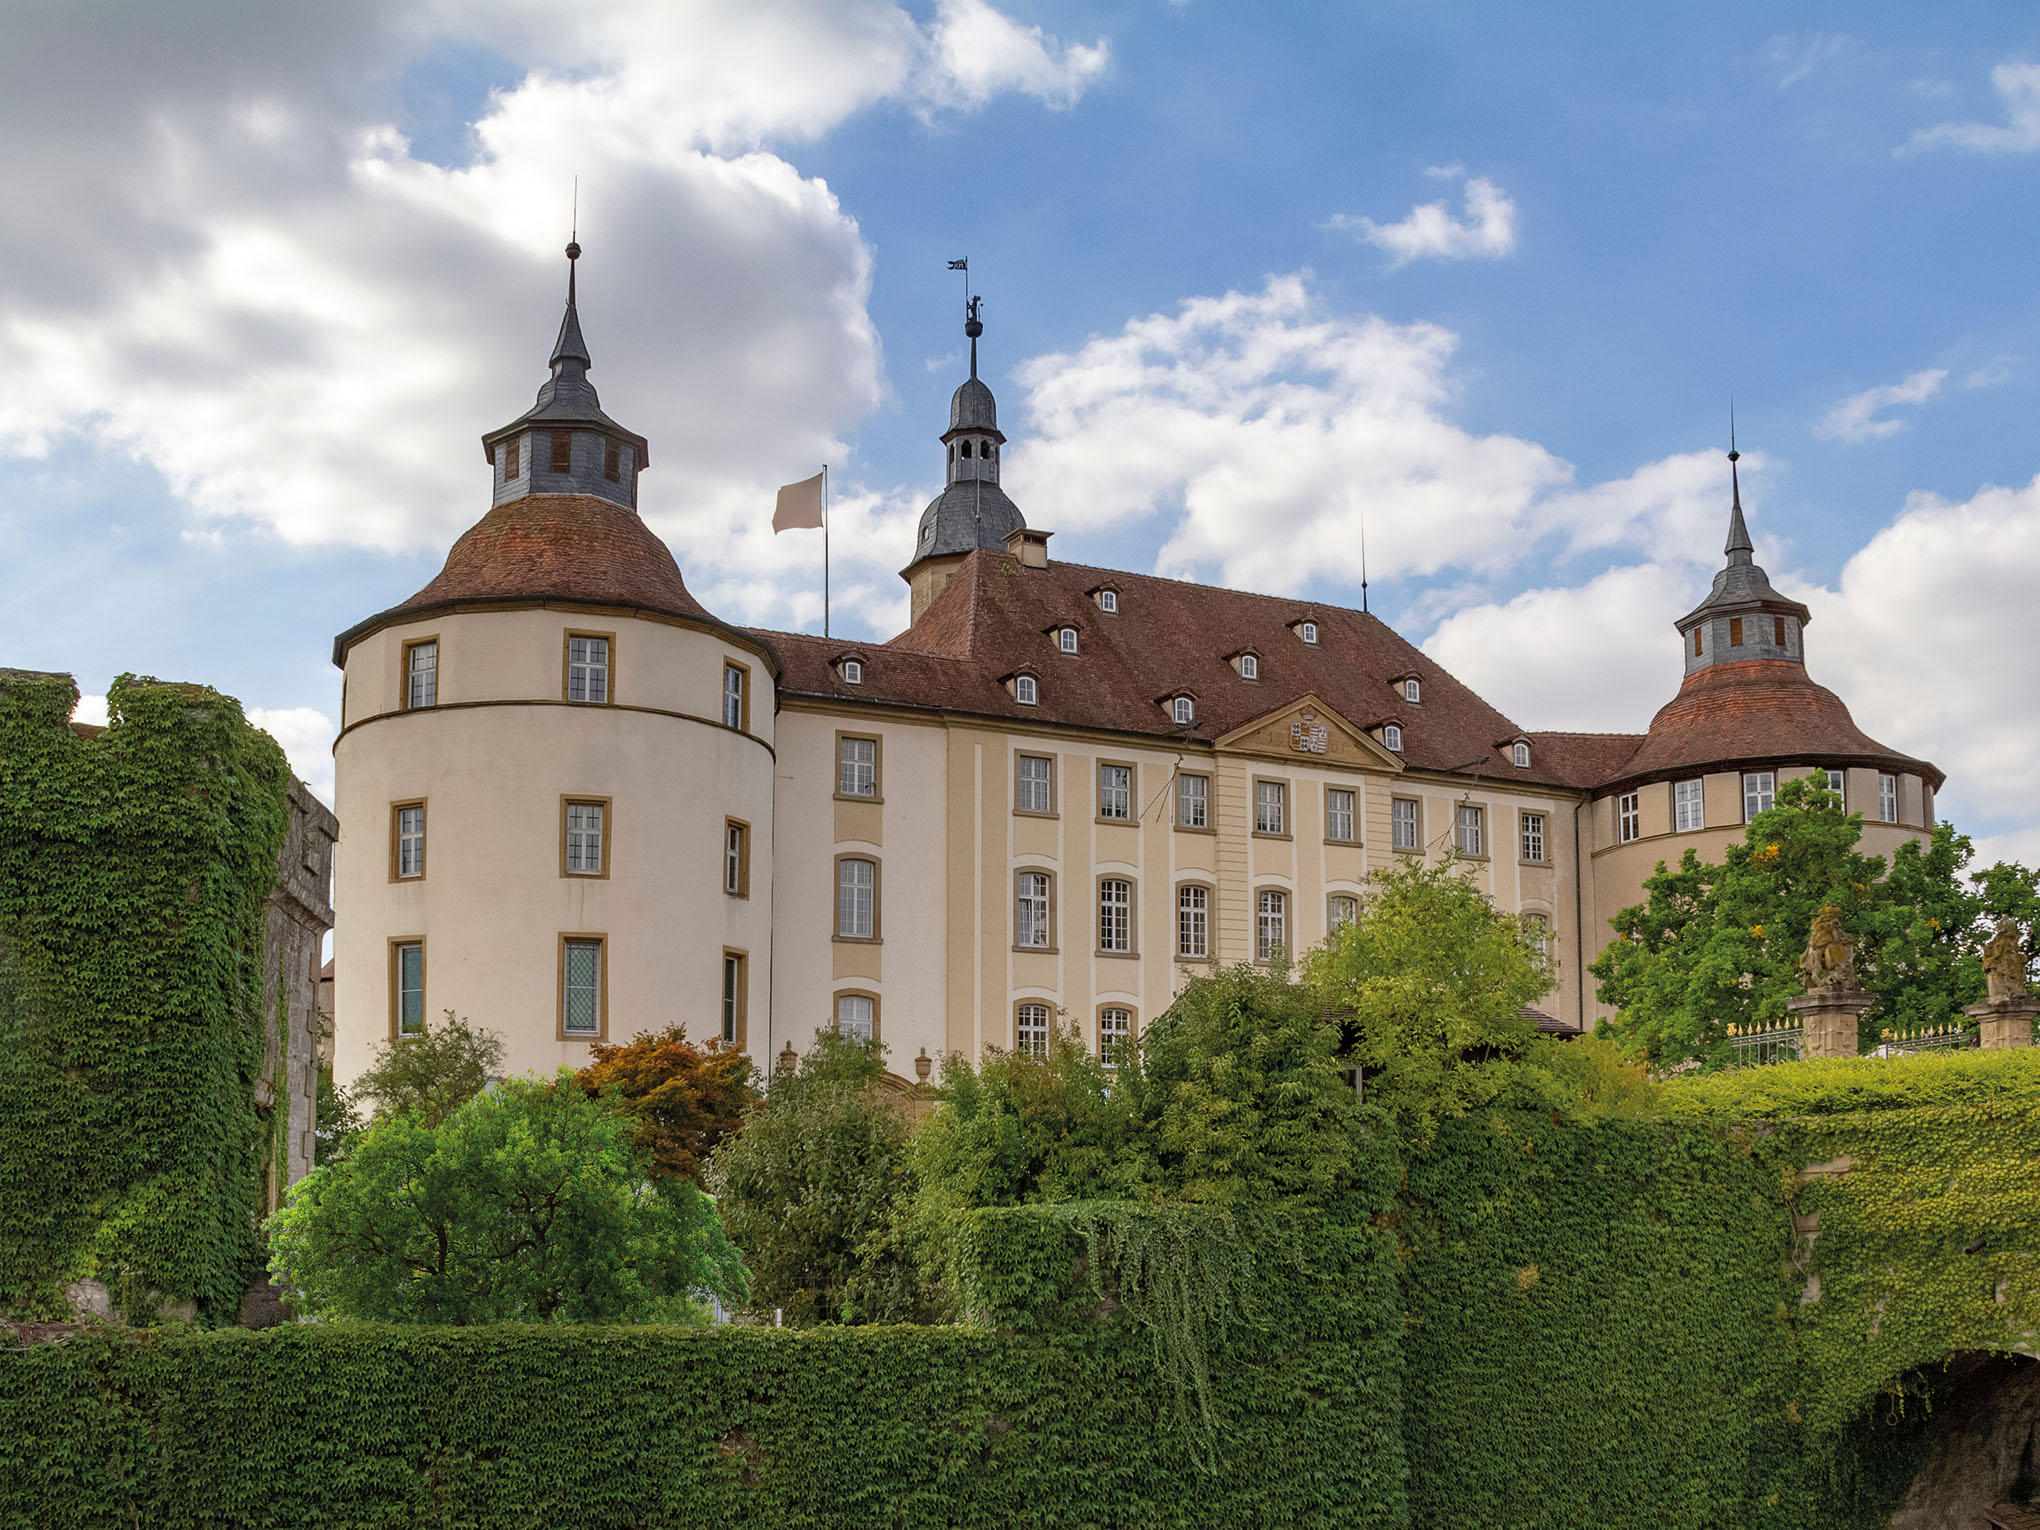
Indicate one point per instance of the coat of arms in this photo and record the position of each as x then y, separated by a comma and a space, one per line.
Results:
1308, 734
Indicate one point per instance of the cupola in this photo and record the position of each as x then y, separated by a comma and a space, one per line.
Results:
565, 444
1742, 618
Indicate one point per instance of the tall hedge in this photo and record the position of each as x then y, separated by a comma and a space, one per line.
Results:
133, 867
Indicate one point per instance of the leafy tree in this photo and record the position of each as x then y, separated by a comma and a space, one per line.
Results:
528, 1203
684, 1099
815, 1188
432, 1075
1431, 981
1714, 946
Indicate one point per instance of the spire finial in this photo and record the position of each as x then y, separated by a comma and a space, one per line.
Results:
1738, 548
973, 326
573, 240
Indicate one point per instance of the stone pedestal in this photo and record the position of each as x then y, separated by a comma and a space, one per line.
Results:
2007, 1023
1830, 1017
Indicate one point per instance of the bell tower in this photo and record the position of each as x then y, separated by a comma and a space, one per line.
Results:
1742, 618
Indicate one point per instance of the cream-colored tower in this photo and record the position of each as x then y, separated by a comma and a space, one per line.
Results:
554, 772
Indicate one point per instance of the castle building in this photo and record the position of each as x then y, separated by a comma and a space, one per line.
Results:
576, 805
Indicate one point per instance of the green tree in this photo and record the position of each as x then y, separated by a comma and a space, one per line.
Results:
528, 1203
1430, 980
683, 1099
432, 1075
816, 1187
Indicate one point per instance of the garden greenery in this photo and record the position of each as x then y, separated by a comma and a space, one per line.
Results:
430, 1075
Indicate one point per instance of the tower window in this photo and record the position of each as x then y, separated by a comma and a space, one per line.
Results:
421, 674
1778, 630
1689, 806
1735, 632
586, 850
736, 710
410, 842
407, 985
736, 876
1887, 798
588, 669
1696, 640
612, 460
1186, 710
1308, 632
1628, 818
510, 463
1759, 792
1412, 691
966, 448
581, 987
562, 451
736, 987
1066, 639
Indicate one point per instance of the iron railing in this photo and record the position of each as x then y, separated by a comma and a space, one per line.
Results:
1755, 1046
1949, 1036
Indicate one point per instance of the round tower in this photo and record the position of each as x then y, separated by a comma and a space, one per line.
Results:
554, 771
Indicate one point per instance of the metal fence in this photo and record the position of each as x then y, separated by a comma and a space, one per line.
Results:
1754, 1046
1949, 1036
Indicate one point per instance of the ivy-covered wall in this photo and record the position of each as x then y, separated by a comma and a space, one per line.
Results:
1131, 1367
1728, 1317
133, 867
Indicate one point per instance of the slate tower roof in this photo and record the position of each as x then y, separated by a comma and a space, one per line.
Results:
972, 511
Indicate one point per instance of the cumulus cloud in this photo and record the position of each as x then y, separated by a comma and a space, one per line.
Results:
306, 736
259, 287
2018, 88
1857, 417
1429, 230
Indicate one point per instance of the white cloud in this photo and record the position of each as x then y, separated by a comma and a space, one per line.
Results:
1855, 418
1798, 56
1488, 229
260, 289
2018, 88
306, 736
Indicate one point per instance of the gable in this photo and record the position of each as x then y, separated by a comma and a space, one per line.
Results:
1308, 731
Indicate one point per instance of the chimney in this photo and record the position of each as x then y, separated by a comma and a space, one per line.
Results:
1029, 546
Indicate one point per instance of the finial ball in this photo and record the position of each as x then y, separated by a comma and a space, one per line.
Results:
573, 250
1734, 455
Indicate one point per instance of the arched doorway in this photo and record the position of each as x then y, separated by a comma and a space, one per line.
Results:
1964, 1452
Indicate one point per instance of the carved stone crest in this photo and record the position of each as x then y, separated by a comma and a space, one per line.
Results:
2004, 963
1308, 734
1829, 965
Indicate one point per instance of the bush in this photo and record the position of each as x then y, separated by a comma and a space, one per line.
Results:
432, 1075
683, 1099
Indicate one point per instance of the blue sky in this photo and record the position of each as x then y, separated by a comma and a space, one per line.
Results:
265, 275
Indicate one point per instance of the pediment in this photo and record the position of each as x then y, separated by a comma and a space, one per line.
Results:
1309, 732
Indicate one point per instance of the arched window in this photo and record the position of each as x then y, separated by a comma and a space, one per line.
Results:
966, 447
1521, 755
1411, 691
1391, 735
1271, 925
1308, 632
1066, 639
1024, 690
1186, 709
1115, 1034
856, 1016
853, 671
1250, 667
1108, 602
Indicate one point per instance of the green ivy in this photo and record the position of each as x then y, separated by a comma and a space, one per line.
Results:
133, 868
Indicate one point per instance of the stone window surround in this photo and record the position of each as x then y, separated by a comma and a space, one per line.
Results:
1210, 891
397, 945
738, 1032
1132, 770
743, 831
1053, 901
877, 935
567, 668
397, 810
601, 942
1207, 827
877, 742
1132, 883
836, 999
608, 831
1026, 812
428, 640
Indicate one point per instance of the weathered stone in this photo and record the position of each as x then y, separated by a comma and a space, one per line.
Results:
2007, 1022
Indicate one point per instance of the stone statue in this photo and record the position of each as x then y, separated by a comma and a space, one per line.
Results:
1829, 965
2004, 963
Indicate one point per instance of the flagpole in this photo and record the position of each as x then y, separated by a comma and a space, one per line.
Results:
825, 549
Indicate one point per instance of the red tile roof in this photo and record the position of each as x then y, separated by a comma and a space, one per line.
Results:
1759, 711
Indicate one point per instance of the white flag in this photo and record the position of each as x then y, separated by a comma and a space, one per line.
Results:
800, 505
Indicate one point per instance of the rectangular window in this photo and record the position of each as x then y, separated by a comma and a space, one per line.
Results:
1193, 802
1533, 836
857, 1016
1341, 909
1778, 630
856, 766
1402, 817
1271, 807
588, 668
1271, 925
1837, 782
1735, 632
1035, 784
1339, 815
736, 996
410, 827
1628, 817
510, 463
1759, 791
1115, 1034
1887, 798
856, 899
585, 840
1115, 792
1030, 1030
1689, 807
1696, 641
612, 461
1030, 910
735, 708
736, 858
421, 674
562, 451
407, 980
1470, 830
580, 986
1115, 915
1537, 930
1193, 921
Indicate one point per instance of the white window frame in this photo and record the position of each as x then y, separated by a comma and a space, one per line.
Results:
1193, 801
1031, 1022
1250, 666
1391, 737
1887, 797
1115, 1033
1335, 905
857, 1027
1628, 818
1185, 711
732, 994
732, 696
853, 671
1025, 691
1404, 832
1469, 828
1029, 783
411, 842
1115, 793
588, 670
421, 680
856, 776
856, 898
1519, 756
1066, 639
733, 858
1108, 602
1689, 806
1412, 691
1339, 814
1836, 781
586, 826
1271, 807
1032, 910
1193, 921
1271, 923
1532, 828
1759, 792
1308, 632
1115, 915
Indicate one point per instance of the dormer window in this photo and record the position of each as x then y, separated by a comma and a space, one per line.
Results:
1249, 666
1024, 690
1308, 632
1412, 691
1066, 639
1391, 734
853, 671
1108, 602
1520, 755
1185, 711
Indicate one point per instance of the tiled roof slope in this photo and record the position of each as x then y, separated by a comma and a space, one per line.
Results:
1586, 759
570, 547
995, 615
1758, 711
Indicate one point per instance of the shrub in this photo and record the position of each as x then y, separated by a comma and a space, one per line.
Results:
683, 1099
